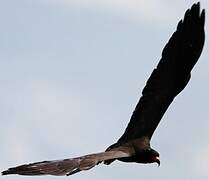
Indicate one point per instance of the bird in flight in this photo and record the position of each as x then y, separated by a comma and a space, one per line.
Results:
167, 80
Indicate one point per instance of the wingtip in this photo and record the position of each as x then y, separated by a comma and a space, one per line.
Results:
3, 173
195, 12
195, 5
9, 171
202, 16
195, 9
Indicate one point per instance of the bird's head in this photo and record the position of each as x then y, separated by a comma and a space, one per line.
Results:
149, 156
154, 157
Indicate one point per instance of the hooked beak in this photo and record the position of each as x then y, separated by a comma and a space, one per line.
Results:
157, 160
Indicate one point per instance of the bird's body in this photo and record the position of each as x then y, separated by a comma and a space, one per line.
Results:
167, 80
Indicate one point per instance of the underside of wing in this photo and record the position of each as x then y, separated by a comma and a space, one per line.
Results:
68, 166
170, 77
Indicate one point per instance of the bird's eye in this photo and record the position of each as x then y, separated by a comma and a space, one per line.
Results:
148, 150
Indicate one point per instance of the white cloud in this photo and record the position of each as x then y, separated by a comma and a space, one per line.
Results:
19, 150
150, 11
201, 163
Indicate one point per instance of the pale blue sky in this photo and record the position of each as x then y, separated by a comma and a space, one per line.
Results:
71, 73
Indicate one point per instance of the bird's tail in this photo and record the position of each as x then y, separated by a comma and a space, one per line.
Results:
65, 166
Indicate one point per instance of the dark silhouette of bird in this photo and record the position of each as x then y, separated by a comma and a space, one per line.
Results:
167, 80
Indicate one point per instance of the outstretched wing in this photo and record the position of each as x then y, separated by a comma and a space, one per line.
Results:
171, 75
67, 166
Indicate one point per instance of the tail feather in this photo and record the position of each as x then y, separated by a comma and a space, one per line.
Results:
65, 166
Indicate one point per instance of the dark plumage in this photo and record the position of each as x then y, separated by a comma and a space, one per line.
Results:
172, 74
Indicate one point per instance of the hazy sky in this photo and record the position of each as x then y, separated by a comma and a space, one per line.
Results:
71, 73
